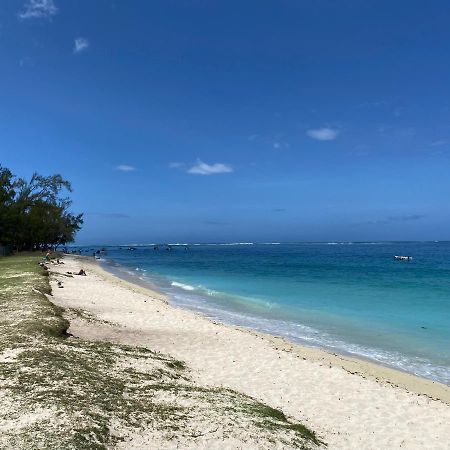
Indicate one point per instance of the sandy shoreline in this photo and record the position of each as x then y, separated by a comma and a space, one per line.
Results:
353, 365
351, 403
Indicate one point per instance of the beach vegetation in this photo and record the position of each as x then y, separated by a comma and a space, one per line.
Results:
35, 213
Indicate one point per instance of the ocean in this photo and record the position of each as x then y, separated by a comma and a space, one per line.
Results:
348, 297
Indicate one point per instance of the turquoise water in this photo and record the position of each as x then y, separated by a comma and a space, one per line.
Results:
347, 297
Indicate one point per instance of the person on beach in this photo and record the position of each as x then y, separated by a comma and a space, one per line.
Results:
81, 272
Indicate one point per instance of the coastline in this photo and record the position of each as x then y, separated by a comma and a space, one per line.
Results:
363, 367
335, 394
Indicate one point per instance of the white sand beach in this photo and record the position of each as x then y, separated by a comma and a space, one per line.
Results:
349, 403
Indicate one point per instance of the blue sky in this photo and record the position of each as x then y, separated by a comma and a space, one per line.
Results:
211, 120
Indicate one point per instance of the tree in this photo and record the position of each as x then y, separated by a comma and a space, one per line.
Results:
34, 214
7, 195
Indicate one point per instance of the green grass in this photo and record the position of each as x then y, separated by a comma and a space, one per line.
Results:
272, 418
79, 394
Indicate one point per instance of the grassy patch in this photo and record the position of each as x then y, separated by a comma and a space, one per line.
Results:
271, 418
77, 394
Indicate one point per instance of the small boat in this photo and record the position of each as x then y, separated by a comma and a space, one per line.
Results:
403, 258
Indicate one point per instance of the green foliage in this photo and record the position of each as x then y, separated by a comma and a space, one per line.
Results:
34, 214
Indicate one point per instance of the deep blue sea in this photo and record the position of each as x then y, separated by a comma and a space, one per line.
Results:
351, 298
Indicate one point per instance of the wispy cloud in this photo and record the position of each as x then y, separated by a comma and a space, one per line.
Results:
360, 150
38, 9
390, 219
406, 217
202, 168
276, 141
323, 134
396, 132
25, 62
439, 143
280, 144
80, 44
125, 168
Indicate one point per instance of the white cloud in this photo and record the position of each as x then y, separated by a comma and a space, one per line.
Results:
80, 44
323, 134
125, 168
202, 168
38, 9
